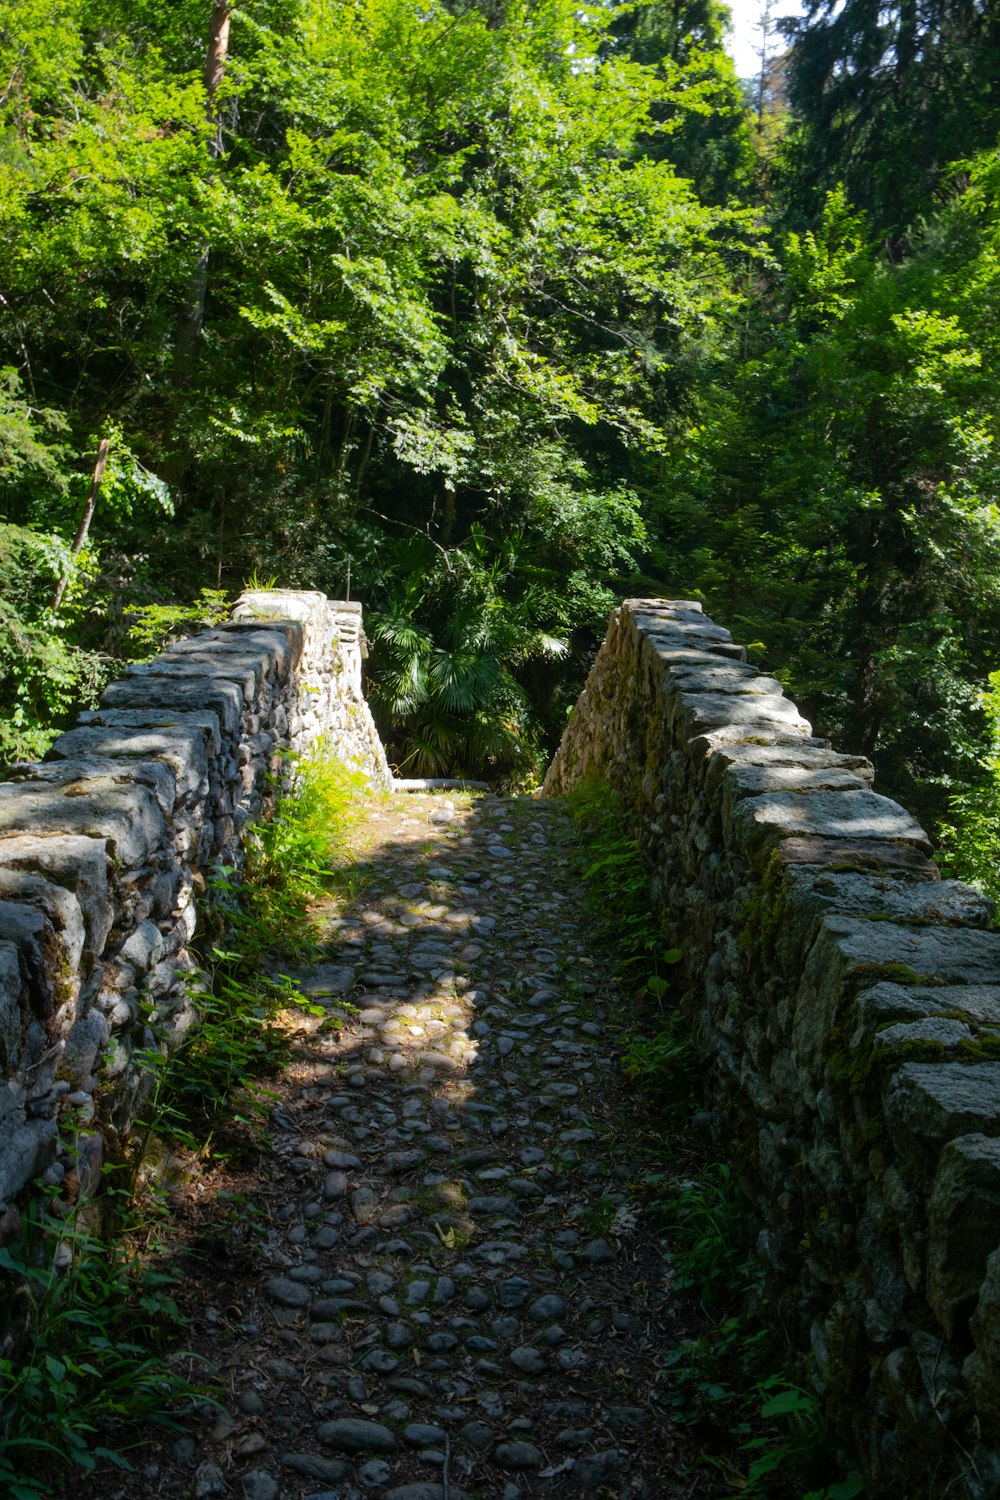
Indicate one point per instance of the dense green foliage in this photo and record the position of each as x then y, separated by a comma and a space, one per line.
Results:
841, 502
511, 309
442, 290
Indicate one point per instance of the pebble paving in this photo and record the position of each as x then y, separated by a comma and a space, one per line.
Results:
455, 1297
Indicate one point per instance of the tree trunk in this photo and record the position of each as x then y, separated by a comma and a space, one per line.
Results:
766, 28
87, 517
193, 319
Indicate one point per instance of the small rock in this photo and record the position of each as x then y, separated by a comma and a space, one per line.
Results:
600, 1469
398, 1162
626, 1418
573, 1438
528, 1360
352, 1435
518, 1456
597, 1253
345, 1160
514, 1292
325, 1333
258, 1484
423, 1434
476, 1434
314, 1466
224, 1427
440, 1343
287, 1293
373, 1473
364, 1205
209, 1481
425, 1490
380, 1361
307, 1275
493, 1206
409, 1385
249, 1444
547, 1308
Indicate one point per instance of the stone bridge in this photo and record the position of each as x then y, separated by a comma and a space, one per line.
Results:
845, 1002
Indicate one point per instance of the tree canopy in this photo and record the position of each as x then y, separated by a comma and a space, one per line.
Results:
510, 309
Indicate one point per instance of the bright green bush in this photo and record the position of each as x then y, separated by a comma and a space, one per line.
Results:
297, 857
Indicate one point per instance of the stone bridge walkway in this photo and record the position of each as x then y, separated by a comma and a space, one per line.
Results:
454, 1296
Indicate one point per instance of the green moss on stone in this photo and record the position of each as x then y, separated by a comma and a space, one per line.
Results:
894, 973
984, 1048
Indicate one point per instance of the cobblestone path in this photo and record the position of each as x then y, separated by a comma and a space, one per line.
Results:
454, 1297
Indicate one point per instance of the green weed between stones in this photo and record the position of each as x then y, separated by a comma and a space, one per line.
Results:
264, 915
763, 1434
84, 1318
296, 859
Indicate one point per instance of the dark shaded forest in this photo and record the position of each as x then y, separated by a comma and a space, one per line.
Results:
508, 310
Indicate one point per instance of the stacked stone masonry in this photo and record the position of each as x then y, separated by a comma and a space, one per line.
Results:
846, 1001
105, 850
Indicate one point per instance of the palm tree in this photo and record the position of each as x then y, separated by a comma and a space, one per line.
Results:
446, 649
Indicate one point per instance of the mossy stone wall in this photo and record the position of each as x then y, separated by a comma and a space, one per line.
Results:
846, 1004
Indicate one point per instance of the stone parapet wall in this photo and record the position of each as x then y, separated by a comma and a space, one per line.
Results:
846, 1004
106, 847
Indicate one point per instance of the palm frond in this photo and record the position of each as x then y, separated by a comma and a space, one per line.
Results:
433, 747
461, 681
